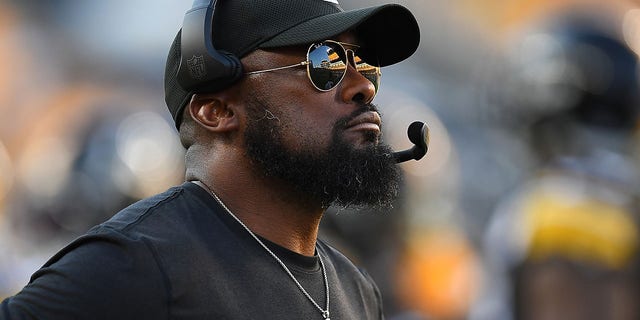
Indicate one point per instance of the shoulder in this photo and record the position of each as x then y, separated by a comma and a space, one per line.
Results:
156, 232
176, 211
140, 237
151, 209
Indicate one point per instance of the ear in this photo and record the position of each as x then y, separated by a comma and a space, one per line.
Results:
212, 112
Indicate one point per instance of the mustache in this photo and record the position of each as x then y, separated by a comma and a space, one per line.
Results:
364, 108
342, 122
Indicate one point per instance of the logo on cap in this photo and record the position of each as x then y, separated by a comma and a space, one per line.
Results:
332, 1
197, 68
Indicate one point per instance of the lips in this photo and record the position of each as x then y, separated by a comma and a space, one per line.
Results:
367, 121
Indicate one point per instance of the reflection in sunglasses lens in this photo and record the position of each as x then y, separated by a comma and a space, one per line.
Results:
326, 67
370, 72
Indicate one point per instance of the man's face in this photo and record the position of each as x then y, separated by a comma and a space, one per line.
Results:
325, 145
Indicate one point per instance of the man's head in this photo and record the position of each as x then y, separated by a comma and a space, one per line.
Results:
321, 142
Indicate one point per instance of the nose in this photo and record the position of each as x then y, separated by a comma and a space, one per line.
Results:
356, 88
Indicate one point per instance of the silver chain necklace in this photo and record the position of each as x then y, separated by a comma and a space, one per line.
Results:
324, 312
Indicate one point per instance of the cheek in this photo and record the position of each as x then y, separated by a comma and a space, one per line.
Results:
306, 116
306, 131
310, 126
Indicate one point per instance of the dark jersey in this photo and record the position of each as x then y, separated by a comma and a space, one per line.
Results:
179, 255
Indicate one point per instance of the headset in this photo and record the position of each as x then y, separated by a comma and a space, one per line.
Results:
202, 67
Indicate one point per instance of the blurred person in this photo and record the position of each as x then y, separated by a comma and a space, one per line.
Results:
271, 142
565, 247
565, 244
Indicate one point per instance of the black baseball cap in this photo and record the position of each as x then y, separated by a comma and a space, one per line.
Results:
389, 32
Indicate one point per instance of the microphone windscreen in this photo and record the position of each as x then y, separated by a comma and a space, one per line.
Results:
416, 133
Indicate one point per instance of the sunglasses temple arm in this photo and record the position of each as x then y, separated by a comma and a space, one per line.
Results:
301, 64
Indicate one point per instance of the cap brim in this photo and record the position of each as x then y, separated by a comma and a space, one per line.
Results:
390, 33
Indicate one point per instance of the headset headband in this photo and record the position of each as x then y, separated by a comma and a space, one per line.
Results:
202, 67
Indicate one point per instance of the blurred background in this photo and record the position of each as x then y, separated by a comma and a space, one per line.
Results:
525, 207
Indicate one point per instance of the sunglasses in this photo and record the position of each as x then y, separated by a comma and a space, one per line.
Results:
327, 63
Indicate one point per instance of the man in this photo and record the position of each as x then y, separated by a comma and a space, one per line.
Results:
267, 153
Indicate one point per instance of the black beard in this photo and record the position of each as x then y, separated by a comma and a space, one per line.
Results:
341, 175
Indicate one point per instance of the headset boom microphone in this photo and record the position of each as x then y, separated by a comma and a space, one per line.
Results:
418, 133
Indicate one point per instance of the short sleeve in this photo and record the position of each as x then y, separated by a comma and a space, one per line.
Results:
102, 275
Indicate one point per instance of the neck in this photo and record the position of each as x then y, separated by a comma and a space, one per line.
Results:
287, 221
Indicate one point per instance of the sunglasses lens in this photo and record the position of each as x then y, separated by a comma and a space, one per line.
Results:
368, 71
327, 65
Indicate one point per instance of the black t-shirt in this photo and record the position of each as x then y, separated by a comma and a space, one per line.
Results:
179, 255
